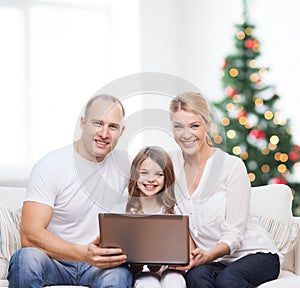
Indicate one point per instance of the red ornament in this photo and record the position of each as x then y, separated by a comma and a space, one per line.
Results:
278, 180
241, 114
257, 133
224, 65
296, 148
230, 92
249, 43
294, 156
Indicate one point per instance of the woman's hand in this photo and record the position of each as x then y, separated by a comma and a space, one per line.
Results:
199, 256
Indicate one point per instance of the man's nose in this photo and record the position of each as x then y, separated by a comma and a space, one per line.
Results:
103, 131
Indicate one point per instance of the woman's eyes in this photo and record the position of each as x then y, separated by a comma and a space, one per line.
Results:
177, 127
193, 126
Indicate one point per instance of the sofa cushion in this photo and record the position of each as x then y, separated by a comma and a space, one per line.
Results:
9, 236
272, 201
12, 197
284, 234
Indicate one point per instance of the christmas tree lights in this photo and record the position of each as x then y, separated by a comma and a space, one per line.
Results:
254, 129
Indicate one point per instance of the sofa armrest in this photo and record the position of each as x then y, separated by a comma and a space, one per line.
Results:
297, 250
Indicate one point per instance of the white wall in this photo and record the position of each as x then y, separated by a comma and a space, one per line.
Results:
187, 38
204, 30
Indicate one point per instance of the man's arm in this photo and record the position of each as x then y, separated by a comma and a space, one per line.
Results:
34, 233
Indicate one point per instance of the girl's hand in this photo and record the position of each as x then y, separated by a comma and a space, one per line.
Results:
154, 268
136, 268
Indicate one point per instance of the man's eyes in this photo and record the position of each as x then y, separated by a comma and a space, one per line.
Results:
114, 127
97, 123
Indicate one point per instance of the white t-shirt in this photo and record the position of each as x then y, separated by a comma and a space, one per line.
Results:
219, 207
77, 190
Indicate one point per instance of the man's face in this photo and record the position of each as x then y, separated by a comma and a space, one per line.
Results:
100, 130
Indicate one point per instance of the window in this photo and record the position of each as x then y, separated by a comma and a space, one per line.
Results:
54, 55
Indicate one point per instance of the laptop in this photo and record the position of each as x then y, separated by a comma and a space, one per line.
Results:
147, 239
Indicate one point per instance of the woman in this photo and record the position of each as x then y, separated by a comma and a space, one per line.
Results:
231, 249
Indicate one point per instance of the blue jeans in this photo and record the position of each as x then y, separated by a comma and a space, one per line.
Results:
31, 267
246, 272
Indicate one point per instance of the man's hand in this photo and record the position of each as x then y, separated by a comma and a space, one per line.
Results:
104, 257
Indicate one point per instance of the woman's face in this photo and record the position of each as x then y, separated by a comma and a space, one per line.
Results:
189, 131
151, 178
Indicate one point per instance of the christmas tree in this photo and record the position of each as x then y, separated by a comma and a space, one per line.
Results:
254, 129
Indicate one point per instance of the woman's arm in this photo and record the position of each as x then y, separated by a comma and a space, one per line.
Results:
238, 191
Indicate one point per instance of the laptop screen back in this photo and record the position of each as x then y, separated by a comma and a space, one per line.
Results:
147, 239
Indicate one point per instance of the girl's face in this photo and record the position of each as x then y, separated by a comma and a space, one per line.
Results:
189, 131
151, 178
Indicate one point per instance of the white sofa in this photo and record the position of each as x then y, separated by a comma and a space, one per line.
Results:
270, 203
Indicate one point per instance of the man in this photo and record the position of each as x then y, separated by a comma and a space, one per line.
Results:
66, 191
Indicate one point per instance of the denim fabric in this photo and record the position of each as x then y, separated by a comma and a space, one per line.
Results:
31, 267
246, 272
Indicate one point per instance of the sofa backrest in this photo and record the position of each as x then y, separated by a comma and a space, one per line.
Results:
273, 201
12, 197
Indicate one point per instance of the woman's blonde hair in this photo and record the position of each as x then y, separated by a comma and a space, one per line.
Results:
193, 102
166, 196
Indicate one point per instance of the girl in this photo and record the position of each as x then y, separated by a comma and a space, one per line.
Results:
151, 191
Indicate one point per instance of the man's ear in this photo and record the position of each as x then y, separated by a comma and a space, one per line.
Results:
122, 130
82, 121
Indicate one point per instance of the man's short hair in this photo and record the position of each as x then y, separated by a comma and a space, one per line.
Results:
104, 97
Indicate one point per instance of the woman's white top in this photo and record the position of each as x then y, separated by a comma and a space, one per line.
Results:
219, 207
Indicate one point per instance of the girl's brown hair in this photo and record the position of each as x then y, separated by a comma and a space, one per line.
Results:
166, 196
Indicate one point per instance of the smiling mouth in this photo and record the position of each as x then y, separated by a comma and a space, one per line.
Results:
189, 143
150, 186
101, 143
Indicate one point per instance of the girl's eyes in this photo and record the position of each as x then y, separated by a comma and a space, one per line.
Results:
156, 175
